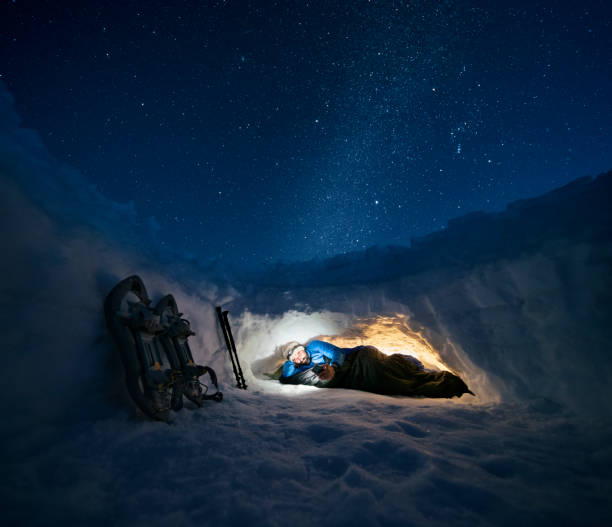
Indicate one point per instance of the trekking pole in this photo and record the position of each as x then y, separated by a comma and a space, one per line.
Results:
228, 344
231, 338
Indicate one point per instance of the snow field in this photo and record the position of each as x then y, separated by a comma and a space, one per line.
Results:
330, 458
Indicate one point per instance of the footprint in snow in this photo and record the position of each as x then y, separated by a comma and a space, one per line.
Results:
412, 430
322, 434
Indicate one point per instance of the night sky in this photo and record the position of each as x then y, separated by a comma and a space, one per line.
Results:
259, 131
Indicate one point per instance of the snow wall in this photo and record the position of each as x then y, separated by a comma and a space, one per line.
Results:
518, 303
64, 246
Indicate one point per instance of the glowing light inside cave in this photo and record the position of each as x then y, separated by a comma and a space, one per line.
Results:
390, 335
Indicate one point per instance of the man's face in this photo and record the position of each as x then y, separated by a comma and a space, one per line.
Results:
300, 357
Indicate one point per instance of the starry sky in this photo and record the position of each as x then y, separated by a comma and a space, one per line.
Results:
262, 131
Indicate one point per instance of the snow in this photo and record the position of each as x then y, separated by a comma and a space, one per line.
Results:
526, 324
263, 459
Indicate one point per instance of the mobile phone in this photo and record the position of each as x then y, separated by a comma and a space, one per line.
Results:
318, 368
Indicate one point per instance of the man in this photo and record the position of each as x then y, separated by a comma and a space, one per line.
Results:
365, 368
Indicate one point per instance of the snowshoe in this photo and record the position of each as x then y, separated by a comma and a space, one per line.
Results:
153, 379
177, 331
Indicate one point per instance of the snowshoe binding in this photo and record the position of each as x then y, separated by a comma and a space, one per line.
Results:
177, 331
155, 376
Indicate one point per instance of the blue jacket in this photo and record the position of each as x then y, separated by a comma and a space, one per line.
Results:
320, 352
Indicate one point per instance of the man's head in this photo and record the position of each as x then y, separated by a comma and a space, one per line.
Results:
298, 355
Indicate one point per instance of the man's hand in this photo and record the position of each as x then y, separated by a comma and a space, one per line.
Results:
327, 373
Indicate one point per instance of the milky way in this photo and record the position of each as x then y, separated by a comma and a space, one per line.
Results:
257, 132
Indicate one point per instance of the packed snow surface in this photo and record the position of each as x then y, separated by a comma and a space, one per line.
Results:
522, 314
327, 457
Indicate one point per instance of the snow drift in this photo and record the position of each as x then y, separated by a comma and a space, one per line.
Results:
518, 302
